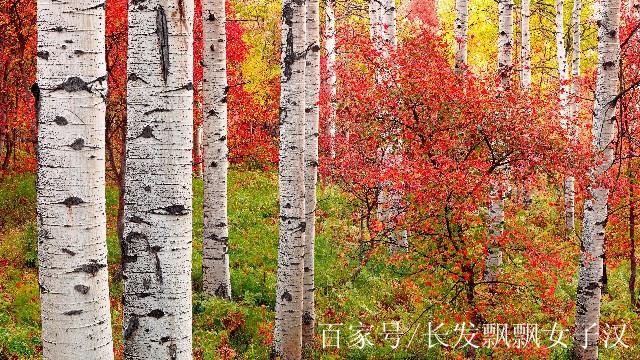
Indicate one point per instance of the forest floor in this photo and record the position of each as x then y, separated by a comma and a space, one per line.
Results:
346, 292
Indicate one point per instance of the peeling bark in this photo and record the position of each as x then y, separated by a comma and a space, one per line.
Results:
215, 250
156, 248
72, 251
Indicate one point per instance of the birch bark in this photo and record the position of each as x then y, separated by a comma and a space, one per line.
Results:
70, 107
573, 111
595, 206
215, 250
330, 44
565, 108
375, 19
460, 33
287, 339
158, 200
312, 94
493, 262
525, 51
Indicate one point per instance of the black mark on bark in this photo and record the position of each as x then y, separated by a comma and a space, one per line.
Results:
90, 268
73, 312
163, 41
72, 201
171, 210
135, 77
78, 144
131, 328
164, 339
157, 313
67, 251
35, 91
60, 120
43, 55
82, 289
307, 319
286, 296
173, 349
147, 133
73, 84
156, 111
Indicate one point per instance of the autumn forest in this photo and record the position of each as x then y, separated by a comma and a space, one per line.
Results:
319, 179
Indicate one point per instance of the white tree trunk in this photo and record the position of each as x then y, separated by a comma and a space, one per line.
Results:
287, 339
505, 42
72, 252
493, 261
525, 51
312, 94
375, 22
158, 200
460, 34
330, 43
565, 108
215, 250
595, 207
388, 26
569, 185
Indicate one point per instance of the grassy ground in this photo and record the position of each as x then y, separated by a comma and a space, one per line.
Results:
242, 328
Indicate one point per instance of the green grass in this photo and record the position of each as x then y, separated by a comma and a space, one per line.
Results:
243, 327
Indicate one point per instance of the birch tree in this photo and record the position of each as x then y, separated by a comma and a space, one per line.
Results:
496, 195
72, 252
595, 205
375, 18
525, 50
215, 247
311, 119
390, 206
565, 107
158, 201
460, 33
287, 339
332, 79
569, 184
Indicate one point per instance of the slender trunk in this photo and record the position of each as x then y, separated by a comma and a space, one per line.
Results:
375, 19
493, 261
197, 149
287, 339
525, 51
595, 206
330, 43
312, 93
565, 109
569, 186
72, 251
461, 34
158, 179
390, 200
215, 250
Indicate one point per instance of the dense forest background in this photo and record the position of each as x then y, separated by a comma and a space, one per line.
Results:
453, 138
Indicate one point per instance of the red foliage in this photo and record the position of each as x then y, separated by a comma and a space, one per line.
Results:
18, 42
